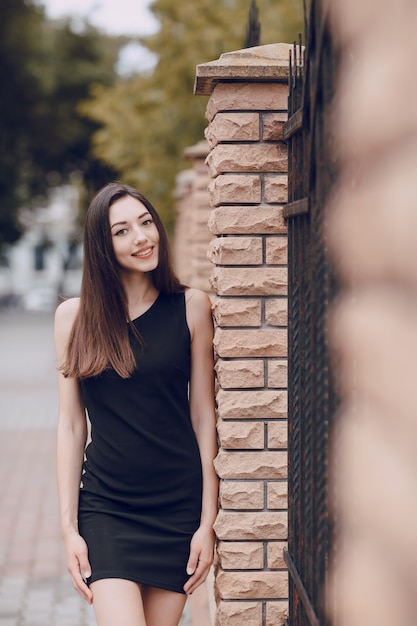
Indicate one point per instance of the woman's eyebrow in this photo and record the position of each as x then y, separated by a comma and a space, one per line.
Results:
124, 222
118, 224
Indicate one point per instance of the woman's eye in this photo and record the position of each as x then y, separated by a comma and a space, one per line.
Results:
148, 222
122, 231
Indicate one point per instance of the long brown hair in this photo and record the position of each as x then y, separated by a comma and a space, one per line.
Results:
100, 335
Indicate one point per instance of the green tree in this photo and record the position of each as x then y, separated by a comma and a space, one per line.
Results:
45, 70
19, 30
71, 65
147, 121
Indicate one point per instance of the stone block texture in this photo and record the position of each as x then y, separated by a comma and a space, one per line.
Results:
192, 235
247, 163
372, 330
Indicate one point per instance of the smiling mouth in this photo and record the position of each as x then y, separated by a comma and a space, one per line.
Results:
143, 253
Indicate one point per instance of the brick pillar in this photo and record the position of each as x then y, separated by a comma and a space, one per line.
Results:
192, 236
248, 164
199, 234
181, 250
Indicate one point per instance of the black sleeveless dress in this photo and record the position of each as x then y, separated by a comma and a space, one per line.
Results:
140, 496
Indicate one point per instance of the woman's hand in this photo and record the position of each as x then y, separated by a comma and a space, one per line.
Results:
78, 564
200, 559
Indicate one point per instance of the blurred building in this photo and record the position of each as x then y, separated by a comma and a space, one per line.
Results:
45, 264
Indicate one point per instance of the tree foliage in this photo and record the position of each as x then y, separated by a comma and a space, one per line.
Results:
45, 70
146, 121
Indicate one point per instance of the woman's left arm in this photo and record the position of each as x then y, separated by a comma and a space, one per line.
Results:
204, 423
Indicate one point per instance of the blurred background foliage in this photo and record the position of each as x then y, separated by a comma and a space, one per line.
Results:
66, 113
46, 69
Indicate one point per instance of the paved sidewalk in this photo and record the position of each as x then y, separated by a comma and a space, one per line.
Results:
35, 589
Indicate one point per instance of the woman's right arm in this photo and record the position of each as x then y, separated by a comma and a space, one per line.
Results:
71, 441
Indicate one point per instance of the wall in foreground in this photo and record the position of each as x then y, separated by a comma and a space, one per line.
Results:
247, 164
372, 235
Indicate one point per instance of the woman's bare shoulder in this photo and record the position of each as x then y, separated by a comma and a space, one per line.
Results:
198, 307
197, 298
66, 313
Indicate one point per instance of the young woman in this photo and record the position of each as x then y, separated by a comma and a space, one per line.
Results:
135, 353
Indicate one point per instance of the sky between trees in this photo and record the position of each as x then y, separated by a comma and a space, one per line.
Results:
66, 111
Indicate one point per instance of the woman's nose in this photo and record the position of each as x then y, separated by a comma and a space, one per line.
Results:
139, 235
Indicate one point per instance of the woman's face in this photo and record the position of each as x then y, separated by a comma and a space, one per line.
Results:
134, 235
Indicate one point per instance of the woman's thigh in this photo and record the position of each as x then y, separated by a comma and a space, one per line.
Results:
118, 602
162, 607
199, 607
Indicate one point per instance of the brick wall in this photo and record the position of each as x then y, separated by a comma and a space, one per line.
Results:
199, 233
248, 188
192, 236
180, 243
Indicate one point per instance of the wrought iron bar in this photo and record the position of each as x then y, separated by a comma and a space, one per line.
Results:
298, 207
312, 399
309, 609
293, 125
253, 31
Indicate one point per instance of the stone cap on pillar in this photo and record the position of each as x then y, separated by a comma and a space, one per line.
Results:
269, 63
199, 151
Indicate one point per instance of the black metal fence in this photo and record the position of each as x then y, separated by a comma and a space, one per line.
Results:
312, 398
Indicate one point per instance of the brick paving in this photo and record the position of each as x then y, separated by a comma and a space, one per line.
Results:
35, 589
